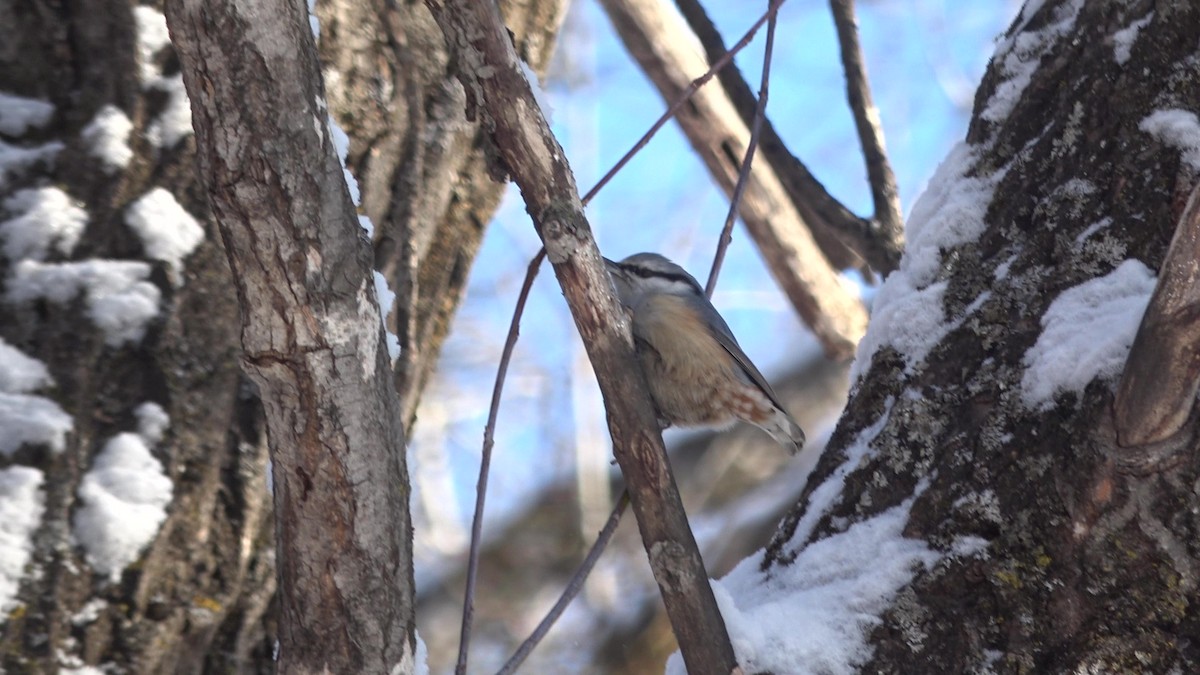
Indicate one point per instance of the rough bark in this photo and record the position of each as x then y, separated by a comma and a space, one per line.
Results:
422, 165
1090, 558
311, 333
499, 94
197, 598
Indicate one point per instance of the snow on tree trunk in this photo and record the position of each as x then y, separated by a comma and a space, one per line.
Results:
973, 512
118, 316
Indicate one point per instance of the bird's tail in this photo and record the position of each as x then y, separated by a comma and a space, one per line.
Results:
785, 431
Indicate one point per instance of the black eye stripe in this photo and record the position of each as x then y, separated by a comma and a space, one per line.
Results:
661, 274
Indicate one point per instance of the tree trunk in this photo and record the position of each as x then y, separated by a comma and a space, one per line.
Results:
980, 435
197, 596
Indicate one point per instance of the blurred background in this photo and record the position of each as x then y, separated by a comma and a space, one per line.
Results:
552, 484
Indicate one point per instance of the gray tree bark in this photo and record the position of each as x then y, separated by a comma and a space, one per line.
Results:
1089, 558
200, 596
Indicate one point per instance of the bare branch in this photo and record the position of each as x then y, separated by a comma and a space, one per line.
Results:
889, 222
659, 41
1162, 375
842, 235
572, 589
497, 90
744, 173
311, 334
719, 65
599, 546
489, 441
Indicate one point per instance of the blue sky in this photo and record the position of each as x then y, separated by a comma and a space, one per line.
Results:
924, 57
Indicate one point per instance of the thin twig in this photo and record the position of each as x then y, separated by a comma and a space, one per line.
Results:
585, 569
889, 220
735, 201
836, 229
489, 440
581, 574
717, 65
572, 589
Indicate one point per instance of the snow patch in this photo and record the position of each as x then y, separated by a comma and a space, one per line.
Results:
814, 615
35, 420
174, 123
1093, 229
1123, 39
1178, 128
1018, 57
387, 301
168, 232
153, 422
124, 498
42, 217
15, 160
119, 300
19, 114
152, 37
20, 374
21, 505
107, 136
907, 312
1086, 334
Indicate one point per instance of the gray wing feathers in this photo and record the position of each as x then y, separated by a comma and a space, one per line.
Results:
725, 337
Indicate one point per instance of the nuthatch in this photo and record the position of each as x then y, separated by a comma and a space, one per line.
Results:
697, 373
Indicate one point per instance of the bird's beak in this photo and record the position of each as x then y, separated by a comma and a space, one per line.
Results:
611, 266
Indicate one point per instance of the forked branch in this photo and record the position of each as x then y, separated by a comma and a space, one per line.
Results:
497, 89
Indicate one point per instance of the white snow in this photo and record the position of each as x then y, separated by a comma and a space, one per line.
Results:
19, 114
1017, 57
1178, 128
152, 36
21, 507
1086, 334
31, 419
14, 160
168, 232
41, 217
124, 498
814, 615
1093, 229
19, 373
119, 300
907, 312
387, 301
153, 422
383, 294
107, 136
1123, 39
313, 22
89, 612
174, 123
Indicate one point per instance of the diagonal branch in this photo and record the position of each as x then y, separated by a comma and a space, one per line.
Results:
845, 238
756, 126
661, 44
889, 222
489, 440
498, 92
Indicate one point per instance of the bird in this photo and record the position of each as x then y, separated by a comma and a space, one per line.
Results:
697, 373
